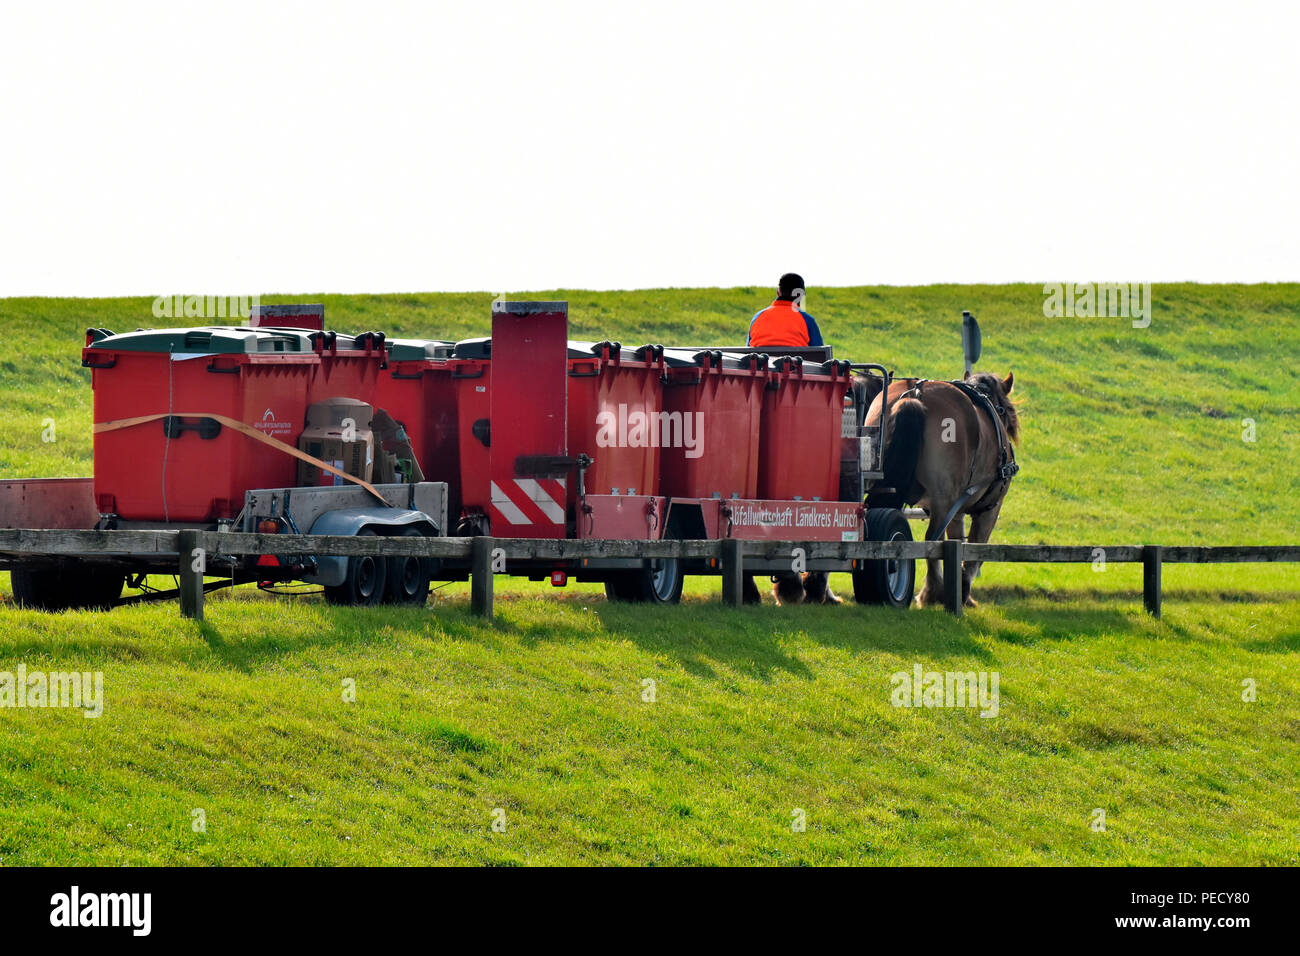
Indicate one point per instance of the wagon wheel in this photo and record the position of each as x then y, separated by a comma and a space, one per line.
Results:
66, 587
657, 581
408, 577
365, 581
888, 582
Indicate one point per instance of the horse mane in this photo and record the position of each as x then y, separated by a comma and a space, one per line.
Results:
991, 385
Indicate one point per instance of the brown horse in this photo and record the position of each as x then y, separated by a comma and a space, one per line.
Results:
949, 450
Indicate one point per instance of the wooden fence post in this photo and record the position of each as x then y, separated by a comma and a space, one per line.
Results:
191, 567
1151, 560
952, 596
733, 572
480, 570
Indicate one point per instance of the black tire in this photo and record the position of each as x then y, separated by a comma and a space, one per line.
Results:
890, 583
66, 587
657, 581
366, 580
408, 578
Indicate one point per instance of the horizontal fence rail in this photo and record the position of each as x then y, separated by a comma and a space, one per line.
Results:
176, 551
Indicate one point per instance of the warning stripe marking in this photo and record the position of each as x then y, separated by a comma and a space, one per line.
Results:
509, 510
539, 496
527, 501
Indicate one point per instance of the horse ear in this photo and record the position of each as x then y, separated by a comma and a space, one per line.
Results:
1008, 383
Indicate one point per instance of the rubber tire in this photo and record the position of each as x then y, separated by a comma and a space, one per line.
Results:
408, 578
66, 588
638, 586
365, 584
871, 585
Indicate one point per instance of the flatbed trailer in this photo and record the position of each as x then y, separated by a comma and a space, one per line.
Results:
526, 435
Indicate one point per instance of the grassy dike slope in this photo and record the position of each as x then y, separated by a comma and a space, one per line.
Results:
1131, 436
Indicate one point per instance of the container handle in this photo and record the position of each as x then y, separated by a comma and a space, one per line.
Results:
174, 426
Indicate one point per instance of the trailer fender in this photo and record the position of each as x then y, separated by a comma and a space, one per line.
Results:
331, 571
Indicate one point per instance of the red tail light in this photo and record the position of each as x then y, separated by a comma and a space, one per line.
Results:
268, 526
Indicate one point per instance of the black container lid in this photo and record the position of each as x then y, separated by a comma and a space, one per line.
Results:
685, 358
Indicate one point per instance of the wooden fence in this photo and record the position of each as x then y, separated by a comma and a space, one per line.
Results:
175, 552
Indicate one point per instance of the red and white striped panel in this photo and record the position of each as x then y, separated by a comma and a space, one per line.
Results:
535, 503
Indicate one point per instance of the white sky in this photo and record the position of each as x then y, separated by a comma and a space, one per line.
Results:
240, 148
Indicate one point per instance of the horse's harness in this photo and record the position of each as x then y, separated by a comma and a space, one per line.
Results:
1007, 465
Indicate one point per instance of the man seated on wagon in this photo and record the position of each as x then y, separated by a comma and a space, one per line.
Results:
784, 322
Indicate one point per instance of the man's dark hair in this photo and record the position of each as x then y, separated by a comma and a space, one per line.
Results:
789, 282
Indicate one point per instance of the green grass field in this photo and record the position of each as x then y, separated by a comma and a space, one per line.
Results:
539, 720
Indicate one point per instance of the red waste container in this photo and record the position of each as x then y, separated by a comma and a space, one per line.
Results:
715, 400
350, 366
417, 390
470, 373
799, 444
184, 466
615, 397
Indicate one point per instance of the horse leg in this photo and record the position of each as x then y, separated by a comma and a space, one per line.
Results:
981, 529
932, 593
817, 588
787, 588
749, 590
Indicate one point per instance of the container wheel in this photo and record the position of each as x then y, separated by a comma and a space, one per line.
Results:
886, 582
657, 581
66, 587
408, 578
365, 581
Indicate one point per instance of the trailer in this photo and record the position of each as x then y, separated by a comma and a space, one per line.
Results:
523, 434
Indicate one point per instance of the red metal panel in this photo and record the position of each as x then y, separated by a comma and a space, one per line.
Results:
528, 415
48, 503
623, 517
310, 317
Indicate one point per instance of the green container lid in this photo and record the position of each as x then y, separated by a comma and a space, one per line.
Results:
414, 350
209, 340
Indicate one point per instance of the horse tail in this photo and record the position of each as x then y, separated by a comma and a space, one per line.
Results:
902, 450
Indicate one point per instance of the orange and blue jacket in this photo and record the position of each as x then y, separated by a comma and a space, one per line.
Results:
782, 324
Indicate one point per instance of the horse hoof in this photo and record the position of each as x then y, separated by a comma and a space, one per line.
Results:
970, 602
